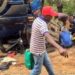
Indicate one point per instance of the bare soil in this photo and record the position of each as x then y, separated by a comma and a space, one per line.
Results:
62, 66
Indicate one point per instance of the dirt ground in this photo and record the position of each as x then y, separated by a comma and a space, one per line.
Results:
62, 66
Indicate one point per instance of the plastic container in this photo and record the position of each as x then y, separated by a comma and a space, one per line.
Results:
28, 59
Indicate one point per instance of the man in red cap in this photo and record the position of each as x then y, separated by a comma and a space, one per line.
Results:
39, 35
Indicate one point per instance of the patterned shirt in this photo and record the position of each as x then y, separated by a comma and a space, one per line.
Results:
37, 42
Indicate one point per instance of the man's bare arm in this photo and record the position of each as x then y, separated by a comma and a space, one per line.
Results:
52, 41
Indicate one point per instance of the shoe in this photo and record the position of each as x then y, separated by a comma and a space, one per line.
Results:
5, 65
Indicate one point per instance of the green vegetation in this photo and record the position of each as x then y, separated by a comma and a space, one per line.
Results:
68, 5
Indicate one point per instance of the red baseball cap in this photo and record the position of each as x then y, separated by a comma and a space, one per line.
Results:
48, 10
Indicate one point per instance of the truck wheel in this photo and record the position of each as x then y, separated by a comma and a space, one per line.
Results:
3, 4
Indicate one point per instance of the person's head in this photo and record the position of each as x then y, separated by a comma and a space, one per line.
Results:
71, 18
65, 20
36, 7
74, 16
48, 13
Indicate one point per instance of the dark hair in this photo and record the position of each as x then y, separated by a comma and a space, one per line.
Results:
74, 16
63, 19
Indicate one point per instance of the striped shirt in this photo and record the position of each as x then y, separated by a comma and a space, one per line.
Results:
37, 42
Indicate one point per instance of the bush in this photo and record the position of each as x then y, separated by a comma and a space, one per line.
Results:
68, 6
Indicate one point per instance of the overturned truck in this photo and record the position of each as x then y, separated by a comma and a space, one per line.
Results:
15, 20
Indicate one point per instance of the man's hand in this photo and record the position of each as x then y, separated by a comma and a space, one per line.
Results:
63, 52
50, 39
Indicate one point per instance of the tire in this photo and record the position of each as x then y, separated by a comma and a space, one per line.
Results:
3, 4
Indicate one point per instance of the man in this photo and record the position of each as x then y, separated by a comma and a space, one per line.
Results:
36, 7
37, 44
60, 6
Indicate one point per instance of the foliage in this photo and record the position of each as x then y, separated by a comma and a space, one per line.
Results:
68, 5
